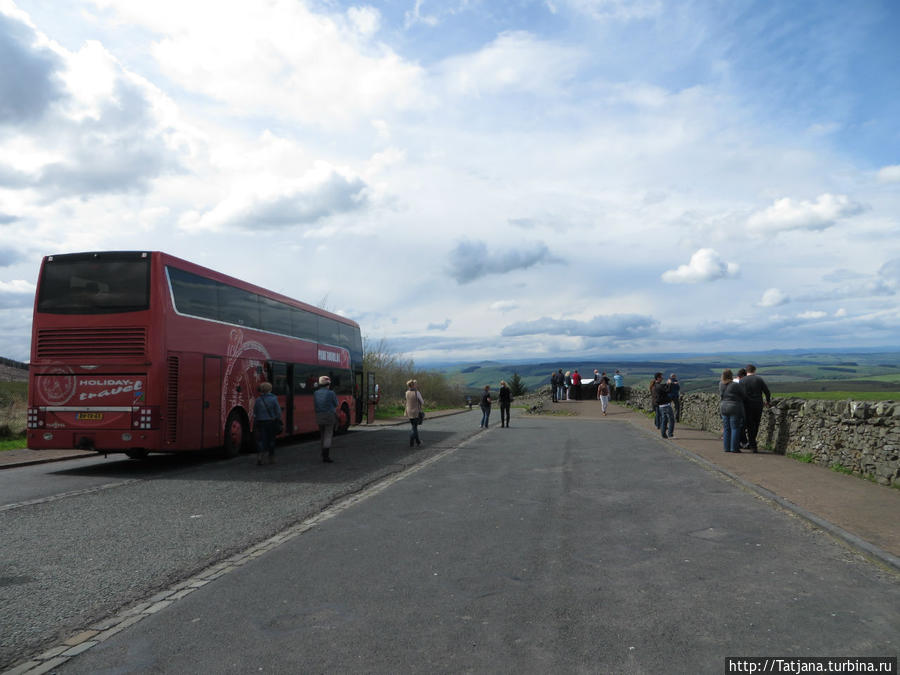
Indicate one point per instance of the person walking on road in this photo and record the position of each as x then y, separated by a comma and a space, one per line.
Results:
731, 406
755, 388
486, 406
325, 403
603, 395
415, 411
266, 414
505, 401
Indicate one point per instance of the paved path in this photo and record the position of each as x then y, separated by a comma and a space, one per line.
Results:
863, 514
562, 545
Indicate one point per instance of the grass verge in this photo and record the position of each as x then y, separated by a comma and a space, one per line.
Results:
13, 442
843, 395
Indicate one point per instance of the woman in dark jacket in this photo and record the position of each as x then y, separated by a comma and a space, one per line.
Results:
505, 401
486, 406
732, 398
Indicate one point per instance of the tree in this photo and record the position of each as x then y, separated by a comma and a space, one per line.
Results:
516, 388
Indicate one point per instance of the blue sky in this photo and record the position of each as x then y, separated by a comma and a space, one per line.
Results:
472, 179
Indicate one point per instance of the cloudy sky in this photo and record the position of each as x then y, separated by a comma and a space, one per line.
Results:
474, 179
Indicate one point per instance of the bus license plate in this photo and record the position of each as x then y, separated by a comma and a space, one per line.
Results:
89, 416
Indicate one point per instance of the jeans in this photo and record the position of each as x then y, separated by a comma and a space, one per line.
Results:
667, 420
560, 393
265, 437
485, 415
656, 418
731, 432
414, 431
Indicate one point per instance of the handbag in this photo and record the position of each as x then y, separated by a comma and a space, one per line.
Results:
421, 416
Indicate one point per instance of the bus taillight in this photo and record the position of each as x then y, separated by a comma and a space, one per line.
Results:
145, 417
35, 418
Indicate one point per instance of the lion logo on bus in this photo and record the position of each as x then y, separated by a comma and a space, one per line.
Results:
57, 385
239, 386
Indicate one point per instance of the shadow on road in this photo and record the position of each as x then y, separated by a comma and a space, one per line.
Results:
298, 460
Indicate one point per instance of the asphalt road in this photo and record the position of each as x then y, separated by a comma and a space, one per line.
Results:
82, 539
559, 545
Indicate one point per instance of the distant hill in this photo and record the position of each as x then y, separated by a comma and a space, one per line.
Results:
785, 371
13, 371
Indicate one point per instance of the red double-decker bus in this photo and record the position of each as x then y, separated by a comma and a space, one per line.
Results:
140, 352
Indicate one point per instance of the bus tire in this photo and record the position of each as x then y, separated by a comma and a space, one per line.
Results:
344, 426
137, 454
237, 434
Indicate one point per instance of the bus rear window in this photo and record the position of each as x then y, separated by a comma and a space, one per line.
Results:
95, 283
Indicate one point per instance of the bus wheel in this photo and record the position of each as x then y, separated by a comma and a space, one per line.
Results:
344, 424
137, 454
236, 435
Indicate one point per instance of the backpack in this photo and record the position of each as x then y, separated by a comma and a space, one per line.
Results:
603, 389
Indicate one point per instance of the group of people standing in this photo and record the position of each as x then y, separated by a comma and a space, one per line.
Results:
741, 405
267, 419
567, 386
504, 396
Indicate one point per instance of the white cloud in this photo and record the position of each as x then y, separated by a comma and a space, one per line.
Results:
773, 297
840, 313
786, 214
613, 326
279, 59
705, 265
889, 174
16, 293
415, 15
504, 306
17, 286
812, 314
303, 202
610, 9
515, 61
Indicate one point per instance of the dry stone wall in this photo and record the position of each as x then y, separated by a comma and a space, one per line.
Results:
857, 436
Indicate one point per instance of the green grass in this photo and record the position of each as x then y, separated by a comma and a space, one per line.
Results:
805, 457
843, 395
13, 443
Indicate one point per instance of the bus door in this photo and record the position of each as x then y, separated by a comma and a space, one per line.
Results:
278, 376
212, 401
289, 400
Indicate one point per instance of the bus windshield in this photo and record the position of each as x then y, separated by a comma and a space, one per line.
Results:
95, 283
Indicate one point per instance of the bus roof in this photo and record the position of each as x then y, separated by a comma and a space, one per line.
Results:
168, 259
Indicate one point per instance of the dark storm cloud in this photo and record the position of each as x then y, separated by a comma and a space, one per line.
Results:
471, 260
614, 326
28, 82
336, 195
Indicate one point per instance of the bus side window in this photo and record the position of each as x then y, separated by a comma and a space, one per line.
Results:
305, 379
279, 378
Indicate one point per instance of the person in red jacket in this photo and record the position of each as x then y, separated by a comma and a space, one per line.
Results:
576, 385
